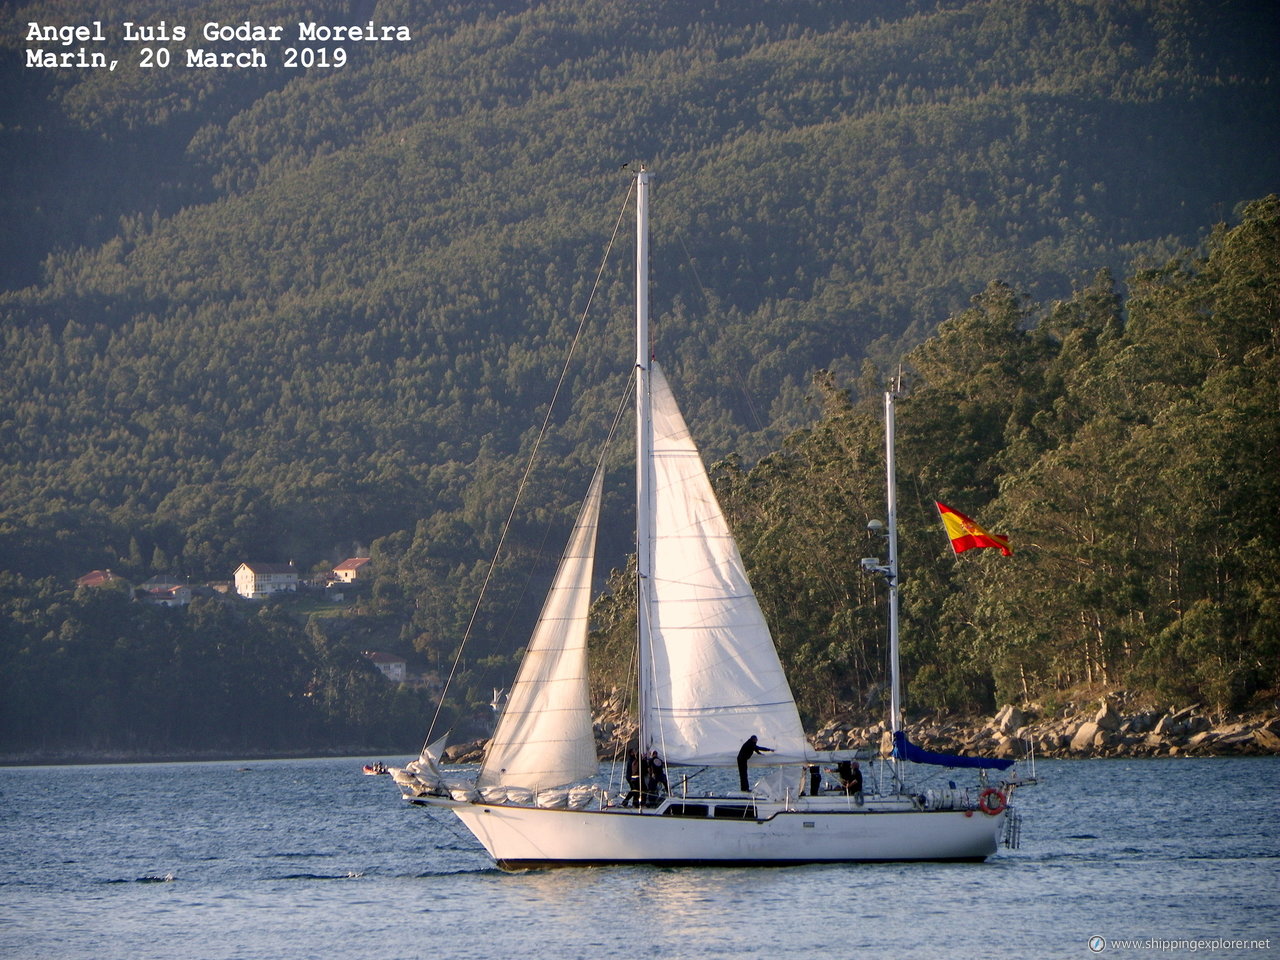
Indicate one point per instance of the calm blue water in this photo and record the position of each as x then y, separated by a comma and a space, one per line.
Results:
308, 858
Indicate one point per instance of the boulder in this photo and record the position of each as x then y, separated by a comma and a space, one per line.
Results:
1267, 740
1009, 719
1107, 717
1181, 723
1144, 722
1007, 748
1233, 738
1083, 739
1197, 724
471, 752
1231, 729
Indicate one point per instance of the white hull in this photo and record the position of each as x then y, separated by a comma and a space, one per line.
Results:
519, 837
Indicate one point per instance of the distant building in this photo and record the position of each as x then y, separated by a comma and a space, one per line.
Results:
393, 668
355, 568
161, 582
99, 578
257, 581
165, 596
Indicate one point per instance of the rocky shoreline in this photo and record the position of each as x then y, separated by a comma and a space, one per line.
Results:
1095, 729
1110, 726
1105, 727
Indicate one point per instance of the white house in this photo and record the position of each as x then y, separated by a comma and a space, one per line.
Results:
392, 667
258, 581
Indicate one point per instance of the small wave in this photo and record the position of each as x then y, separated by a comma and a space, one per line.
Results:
349, 875
167, 878
460, 872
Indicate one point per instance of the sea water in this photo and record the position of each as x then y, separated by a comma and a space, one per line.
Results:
309, 858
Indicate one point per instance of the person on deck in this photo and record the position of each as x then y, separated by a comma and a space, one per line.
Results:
850, 779
633, 780
749, 750
658, 773
855, 783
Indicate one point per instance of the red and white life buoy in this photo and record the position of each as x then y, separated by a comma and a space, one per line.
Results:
991, 802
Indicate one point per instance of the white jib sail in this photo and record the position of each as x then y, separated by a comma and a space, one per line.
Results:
428, 762
544, 737
714, 676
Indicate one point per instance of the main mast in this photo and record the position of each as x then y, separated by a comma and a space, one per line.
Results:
644, 460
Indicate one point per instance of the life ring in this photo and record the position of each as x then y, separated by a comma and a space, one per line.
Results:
991, 802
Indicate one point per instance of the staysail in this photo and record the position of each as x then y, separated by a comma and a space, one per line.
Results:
711, 673
544, 737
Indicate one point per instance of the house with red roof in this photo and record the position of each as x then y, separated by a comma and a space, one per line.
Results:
99, 578
352, 569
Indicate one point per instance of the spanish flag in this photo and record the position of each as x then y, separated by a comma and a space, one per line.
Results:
967, 535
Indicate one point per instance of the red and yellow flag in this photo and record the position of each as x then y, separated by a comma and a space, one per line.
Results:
967, 535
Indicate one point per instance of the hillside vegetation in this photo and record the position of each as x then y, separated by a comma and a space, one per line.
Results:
1125, 443
281, 315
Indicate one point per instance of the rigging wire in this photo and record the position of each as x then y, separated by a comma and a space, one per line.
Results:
533, 455
623, 405
740, 379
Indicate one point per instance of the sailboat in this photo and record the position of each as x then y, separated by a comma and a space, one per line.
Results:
709, 679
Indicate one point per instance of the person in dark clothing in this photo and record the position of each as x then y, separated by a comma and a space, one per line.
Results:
850, 778
633, 780
855, 783
749, 750
815, 780
658, 773
653, 779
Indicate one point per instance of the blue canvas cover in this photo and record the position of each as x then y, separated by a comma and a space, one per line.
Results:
904, 749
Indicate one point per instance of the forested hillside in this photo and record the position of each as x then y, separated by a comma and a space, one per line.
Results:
1126, 443
288, 314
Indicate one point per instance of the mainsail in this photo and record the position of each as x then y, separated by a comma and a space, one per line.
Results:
710, 672
544, 738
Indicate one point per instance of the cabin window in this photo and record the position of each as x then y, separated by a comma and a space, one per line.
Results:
733, 811
686, 810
